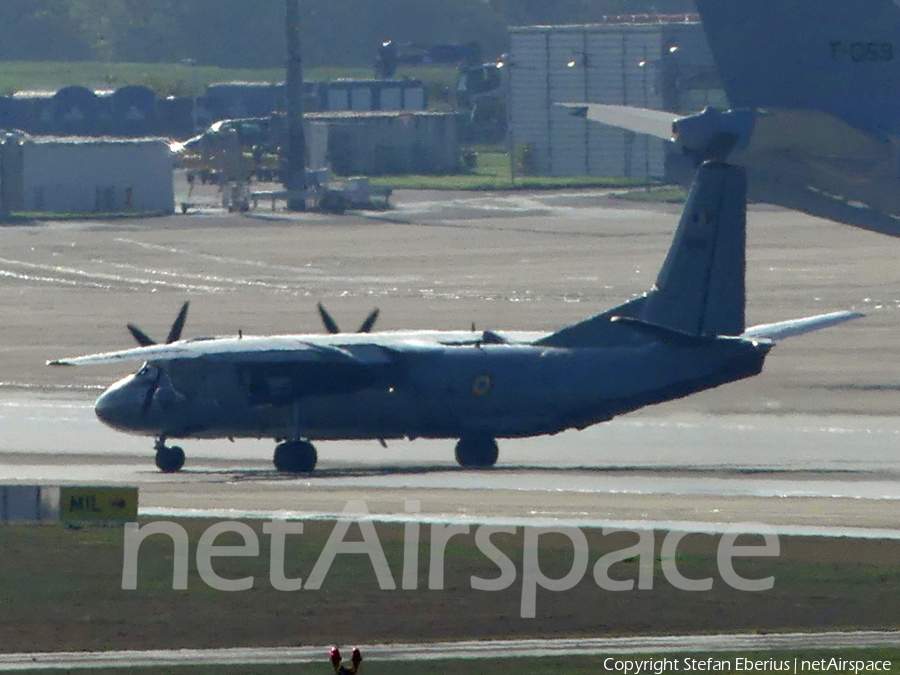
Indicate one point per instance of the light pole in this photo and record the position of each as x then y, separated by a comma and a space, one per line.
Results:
295, 178
192, 64
645, 64
506, 74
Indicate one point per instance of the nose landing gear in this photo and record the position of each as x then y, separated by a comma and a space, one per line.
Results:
168, 459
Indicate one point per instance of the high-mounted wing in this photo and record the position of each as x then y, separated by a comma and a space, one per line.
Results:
273, 370
277, 349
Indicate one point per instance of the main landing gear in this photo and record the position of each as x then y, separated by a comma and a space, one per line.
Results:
477, 451
168, 459
295, 456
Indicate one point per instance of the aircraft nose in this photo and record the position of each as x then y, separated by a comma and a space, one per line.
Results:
120, 405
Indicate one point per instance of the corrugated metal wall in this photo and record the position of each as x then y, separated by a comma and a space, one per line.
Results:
97, 175
617, 64
378, 143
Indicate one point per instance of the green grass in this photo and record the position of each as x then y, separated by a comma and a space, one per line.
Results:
60, 589
29, 218
492, 172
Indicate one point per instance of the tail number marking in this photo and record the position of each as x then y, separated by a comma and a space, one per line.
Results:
862, 52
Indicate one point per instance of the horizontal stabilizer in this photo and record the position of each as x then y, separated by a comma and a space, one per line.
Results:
639, 120
668, 336
786, 329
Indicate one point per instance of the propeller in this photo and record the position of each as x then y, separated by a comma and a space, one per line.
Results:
151, 390
174, 335
159, 389
332, 327
330, 324
366, 325
158, 385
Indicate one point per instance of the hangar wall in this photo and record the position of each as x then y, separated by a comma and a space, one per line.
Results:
81, 175
662, 64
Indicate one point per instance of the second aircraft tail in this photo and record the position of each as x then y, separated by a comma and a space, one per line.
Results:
838, 56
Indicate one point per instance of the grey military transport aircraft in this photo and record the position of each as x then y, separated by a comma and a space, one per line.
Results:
814, 90
685, 335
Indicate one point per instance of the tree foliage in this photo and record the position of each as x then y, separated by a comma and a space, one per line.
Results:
250, 33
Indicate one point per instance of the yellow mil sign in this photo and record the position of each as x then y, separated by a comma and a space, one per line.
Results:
98, 503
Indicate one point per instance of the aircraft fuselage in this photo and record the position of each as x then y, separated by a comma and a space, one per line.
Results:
501, 390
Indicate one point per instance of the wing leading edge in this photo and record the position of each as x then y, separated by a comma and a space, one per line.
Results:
280, 349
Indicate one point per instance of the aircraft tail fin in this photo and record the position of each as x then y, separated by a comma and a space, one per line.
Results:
839, 57
598, 329
700, 288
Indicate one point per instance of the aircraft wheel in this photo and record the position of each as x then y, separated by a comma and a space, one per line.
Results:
170, 460
295, 456
477, 451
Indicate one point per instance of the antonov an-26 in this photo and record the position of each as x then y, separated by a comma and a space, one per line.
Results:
685, 335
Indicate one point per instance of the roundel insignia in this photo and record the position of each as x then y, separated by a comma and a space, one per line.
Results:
481, 385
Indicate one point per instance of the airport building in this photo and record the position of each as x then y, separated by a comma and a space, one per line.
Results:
92, 175
643, 61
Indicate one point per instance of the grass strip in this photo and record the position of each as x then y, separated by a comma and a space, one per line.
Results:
492, 173
61, 590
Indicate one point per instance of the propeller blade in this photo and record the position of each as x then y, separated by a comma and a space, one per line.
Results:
330, 324
140, 336
178, 326
151, 390
366, 326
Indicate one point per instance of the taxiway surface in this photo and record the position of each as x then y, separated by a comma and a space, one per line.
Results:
812, 442
487, 649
